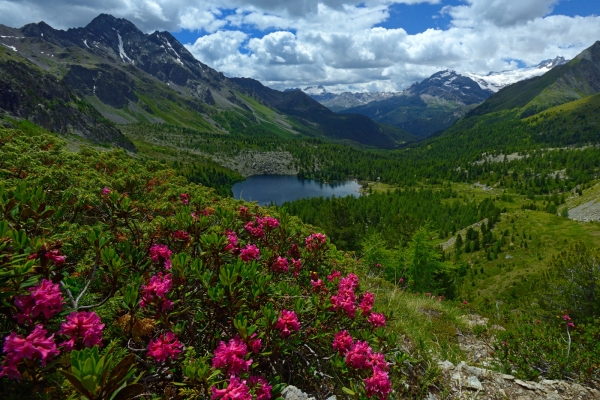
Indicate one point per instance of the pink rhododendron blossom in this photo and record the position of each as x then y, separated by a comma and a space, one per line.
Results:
566, 317
359, 354
318, 285
106, 191
269, 222
287, 323
345, 299
55, 257
366, 302
342, 342
155, 291
45, 299
333, 276
82, 325
254, 343
232, 241
236, 390
232, 356
401, 280
255, 228
378, 385
181, 235
350, 282
185, 198
571, 325
250, 252
160, 253
294, 251
261, 387
33, 347
377, 360
164, 347
243, 210
297, 266
280, 265
377, 320
315, 242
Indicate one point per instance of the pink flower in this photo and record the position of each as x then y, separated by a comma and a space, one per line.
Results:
164, 346
342, 342
571, 325
35, 346
270, 222
255, 344
401, 280
185, 198
155, 291
106, 191
280, 265
160, 253
236, 390
255, 229
297, 266
378, 265
366, 302
294, 252
318, 285
566, 317
287, 323
181, 235
232, 241
261, 387
82, 325
315, 242
55, 257
377, 320
359, 354
232, 356
250, 252
345, 299
44, 299
350, 281
378, 385
465, 302
377, 360
333, 276
243, 210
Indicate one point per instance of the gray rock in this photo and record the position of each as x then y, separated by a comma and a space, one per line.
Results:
526, 385
293, 393
445, 365
473, 383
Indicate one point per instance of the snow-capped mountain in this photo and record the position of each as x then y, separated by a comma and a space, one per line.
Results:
495, 81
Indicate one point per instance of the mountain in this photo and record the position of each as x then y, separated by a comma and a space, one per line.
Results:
428, 106
495, 81
128, 76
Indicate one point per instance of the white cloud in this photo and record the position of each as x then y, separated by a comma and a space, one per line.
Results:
337, 42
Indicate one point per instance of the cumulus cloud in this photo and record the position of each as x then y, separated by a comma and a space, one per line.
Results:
338, 43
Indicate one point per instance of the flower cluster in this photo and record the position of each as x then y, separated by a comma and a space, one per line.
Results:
315, 242
297, 264
155, 291
84, 327
287, 323
377, 320
164, 347
36, 346
55, 257
249, 253
185, 198
231, 356
182, 236
345, 299
342, 342
160, 253
44, 299
261, 387
281, 265
567, 319
236, 390
255, 228
366, 303
232, 241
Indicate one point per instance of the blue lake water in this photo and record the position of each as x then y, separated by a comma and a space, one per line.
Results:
278, 189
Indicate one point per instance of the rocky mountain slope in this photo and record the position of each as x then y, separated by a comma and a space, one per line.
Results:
129, 76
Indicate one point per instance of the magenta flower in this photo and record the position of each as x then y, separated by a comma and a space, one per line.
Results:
359, 355
255, 344
297, 266
566, 317
350, 282
315, 242
280, 265
244, 210
287, 323
333, 276
255, 228
378, 385
250, 252
318, 285
83, 327
55, 257
33, 347
377, 360
294, 251
377, 320
366, 302
232, 241
185, 198
165, 346
261, 387
342, 342
236, 390
155, 291
160, 253
269, 222
571, 325
44, 299
106, 191
232, 356
345, 299
181, 235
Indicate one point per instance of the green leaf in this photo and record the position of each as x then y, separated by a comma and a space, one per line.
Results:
129, 392
348, 391
76, 384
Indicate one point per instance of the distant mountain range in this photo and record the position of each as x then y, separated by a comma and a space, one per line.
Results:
431, 105
87, 81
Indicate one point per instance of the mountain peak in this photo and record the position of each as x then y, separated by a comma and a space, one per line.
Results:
107, 21
551, 63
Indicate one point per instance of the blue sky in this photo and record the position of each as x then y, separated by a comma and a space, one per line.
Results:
366, 45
